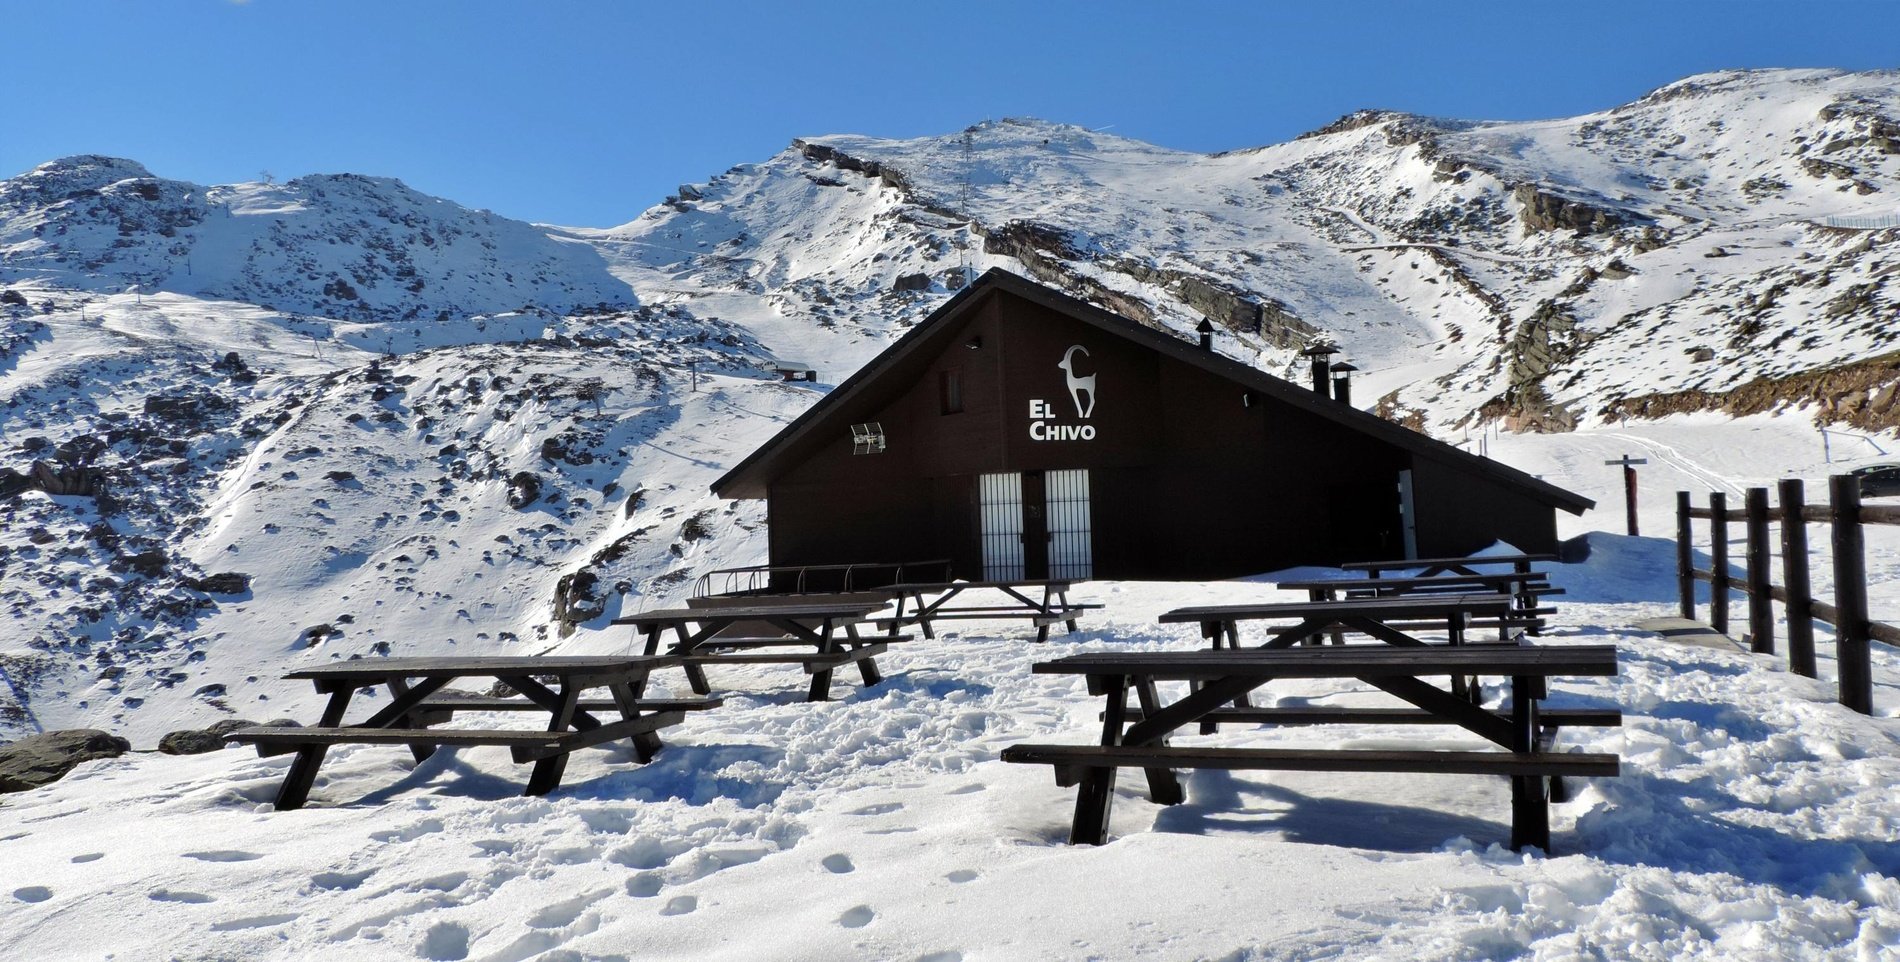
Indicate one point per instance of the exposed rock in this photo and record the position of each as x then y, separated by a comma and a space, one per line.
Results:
148, 563
578, 598
194, 742
524, 489
46, 758
222, 583
911, 282
1545, 211
1864, 395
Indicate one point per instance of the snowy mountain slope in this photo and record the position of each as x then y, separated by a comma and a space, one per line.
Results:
1503, 269
341, 246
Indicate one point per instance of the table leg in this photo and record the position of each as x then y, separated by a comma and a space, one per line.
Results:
303, 768
821, 679
1163, 785
1096, 793
548, 771
695, 674
867, 667
1530, 805
627, 697
399, 687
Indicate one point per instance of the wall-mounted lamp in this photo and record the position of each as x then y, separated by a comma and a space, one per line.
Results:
974, 343
1246, 399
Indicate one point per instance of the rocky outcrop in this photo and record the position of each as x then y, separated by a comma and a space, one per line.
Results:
197, 741
1546, 211
578, 598
46, 758
524, 489
1864, 395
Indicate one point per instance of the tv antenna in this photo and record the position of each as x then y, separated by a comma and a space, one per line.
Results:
965, 192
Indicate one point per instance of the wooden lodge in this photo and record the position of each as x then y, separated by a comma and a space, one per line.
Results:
1021, 433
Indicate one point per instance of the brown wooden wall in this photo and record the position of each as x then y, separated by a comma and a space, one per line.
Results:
1189, 480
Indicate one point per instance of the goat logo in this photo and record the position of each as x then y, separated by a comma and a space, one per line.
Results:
1079, 384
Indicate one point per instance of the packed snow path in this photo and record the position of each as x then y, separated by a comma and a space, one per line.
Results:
1754, 819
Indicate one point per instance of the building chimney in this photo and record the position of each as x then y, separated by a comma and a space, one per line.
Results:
1317, 353
1342, 382
1206, 330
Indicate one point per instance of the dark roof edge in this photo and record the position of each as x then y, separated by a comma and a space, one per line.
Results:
854, 383
1188, 352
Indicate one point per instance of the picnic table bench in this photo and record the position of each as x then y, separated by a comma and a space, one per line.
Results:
815, 625
1141, 738
1053, 608
417, 687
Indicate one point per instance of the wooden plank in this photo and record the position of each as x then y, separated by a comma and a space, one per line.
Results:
1344, 661
668, 617
1397, 584
610, 732
1306, 715
1442, 562
570, 666
472, 704
1399, 607
1579, 764
812, 662
280, 741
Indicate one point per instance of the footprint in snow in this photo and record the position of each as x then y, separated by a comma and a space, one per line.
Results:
88, 857
857, 917
167, 895
562, 914
225, 855
444, 942
969, 789
962, 875
33, 893
949, 955
645, 885
838, 864
680, 905
883, 808
340, 881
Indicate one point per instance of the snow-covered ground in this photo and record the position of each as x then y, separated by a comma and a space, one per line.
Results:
1754, 819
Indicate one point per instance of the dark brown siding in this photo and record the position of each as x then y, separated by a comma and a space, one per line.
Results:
1193, 476
1459, 514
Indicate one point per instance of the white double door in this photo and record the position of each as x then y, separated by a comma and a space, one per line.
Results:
1036, 524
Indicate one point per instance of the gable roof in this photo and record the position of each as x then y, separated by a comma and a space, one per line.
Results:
919, 347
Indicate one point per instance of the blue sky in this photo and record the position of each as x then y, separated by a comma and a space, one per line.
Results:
586, 113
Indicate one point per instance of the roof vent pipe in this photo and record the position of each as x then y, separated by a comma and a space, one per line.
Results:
1317, 352
1206, 330
1342, 382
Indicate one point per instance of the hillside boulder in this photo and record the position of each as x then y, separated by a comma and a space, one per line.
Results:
46, 758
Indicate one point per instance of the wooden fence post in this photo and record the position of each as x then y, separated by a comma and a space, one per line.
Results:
1761, 608
1794, 577
1851, 647
1718, 561
1685, 557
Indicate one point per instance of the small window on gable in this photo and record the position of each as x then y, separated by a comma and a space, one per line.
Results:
950, 391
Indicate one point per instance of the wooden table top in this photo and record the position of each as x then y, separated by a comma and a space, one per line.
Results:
1344, 661
483, 665
1404, 606
1017, 583
674, 616
1428, 581
1496, 559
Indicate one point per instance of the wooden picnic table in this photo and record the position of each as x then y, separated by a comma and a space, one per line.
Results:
1463, 566
408, 717
1134, 738
1369, 616
812, 624
1525, 587
1054, 606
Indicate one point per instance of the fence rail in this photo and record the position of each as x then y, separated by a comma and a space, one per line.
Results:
1846, 519
802, 579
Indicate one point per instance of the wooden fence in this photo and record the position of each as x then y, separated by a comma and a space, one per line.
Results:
1846, 517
